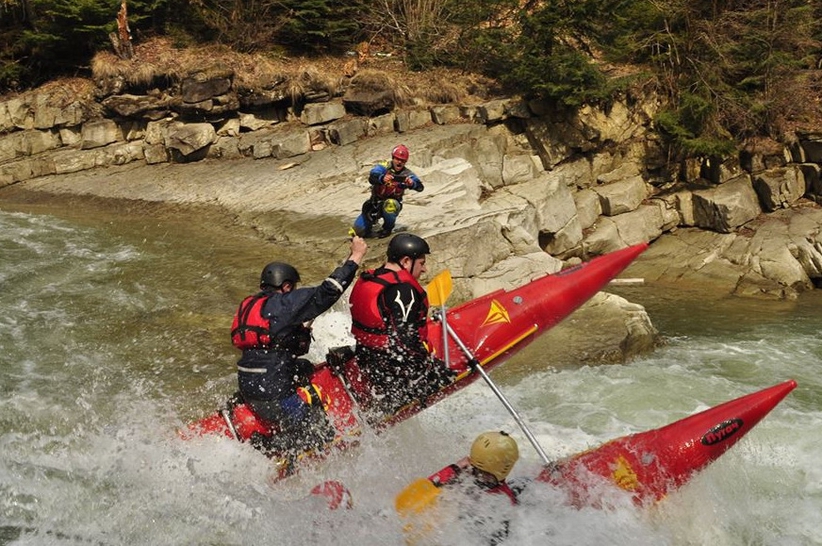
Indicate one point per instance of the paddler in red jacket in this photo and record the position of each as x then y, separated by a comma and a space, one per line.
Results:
272, 328
474, 487
493, 456
389, 312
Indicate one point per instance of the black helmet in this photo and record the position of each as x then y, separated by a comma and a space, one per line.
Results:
276, 274
406, 244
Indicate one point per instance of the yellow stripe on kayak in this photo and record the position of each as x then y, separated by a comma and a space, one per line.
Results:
492, 356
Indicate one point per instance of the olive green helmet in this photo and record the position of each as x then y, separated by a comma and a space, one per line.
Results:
495, 453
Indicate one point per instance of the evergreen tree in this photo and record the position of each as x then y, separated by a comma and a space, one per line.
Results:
548, 54
44, 39
61, 35
732, 69
320, 25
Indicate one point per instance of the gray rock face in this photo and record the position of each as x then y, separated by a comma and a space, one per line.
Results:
511, 189
726, 207
201, 86
621, 196
368, 103
98, 133
150, 107
190, 137
317, 113
780, 187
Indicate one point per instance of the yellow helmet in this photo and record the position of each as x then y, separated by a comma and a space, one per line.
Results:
495, 453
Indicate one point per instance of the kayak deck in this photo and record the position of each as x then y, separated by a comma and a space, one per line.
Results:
650, 464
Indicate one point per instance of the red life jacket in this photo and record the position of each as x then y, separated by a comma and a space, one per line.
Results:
368, 326
452, 473
391, 190
250, 330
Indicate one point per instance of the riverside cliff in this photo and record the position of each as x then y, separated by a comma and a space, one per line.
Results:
513, 190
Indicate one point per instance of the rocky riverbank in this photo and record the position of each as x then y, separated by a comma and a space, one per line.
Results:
529, 183
310, 204
511, 190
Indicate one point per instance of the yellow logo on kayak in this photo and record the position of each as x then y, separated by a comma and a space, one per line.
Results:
497, 314
624, 476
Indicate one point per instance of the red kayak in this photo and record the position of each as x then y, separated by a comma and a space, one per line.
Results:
494, 327
648, 465
651, 464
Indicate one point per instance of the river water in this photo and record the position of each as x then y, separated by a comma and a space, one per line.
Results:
114, 334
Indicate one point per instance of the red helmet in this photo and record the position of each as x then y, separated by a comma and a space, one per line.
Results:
400, 152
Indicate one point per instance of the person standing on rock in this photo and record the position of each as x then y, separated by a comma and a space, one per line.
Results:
273, 329
389, 180
389, 312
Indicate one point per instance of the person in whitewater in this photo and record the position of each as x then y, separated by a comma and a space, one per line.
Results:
389, 312
273, 330
389, 180
473, 490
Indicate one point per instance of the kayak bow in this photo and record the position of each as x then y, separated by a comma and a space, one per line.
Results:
650, 464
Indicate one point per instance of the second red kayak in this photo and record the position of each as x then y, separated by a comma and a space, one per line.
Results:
649, 465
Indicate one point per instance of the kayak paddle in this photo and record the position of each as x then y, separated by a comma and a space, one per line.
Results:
438, 291
413, 505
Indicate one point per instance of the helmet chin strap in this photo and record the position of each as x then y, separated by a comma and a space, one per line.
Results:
411, 267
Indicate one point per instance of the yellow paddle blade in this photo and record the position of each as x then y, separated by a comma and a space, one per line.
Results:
416, 498
439, 289
416, 506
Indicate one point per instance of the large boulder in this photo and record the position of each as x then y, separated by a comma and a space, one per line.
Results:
727, 206
100, 132
780, 187
188, 138
368, 102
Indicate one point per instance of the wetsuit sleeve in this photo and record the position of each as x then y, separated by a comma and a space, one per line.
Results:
417, 183
404, 310
342, 277
376, 175
304, 304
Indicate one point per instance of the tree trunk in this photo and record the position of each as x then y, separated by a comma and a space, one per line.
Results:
122, 45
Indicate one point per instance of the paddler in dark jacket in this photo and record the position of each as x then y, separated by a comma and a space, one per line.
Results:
388, 180
389, 312
476, 485
272, 328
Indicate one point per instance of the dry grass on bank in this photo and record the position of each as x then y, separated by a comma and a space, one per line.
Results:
64, 91
157, 60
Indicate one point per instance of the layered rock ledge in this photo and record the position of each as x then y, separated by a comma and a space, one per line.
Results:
512, 189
